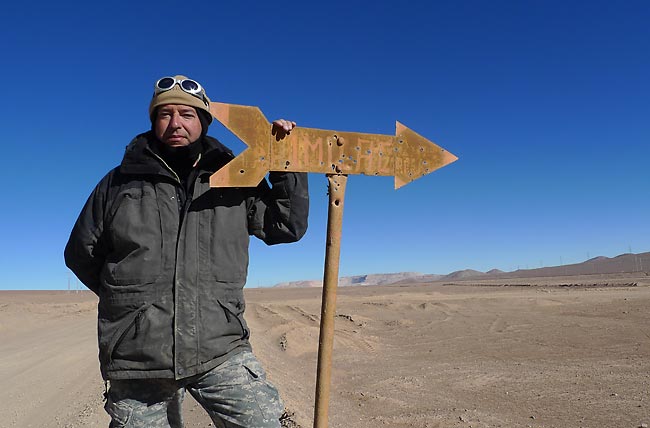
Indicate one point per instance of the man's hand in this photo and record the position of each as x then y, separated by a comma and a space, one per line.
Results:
281, 128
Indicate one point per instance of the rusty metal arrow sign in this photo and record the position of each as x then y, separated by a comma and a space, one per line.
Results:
406, 156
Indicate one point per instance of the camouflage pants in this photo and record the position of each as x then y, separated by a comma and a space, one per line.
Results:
235, 394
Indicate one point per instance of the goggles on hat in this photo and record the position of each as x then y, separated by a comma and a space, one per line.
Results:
190, 86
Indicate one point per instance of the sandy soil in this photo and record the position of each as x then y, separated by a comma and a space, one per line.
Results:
405, 356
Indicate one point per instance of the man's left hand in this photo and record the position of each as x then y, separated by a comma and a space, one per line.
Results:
281, 128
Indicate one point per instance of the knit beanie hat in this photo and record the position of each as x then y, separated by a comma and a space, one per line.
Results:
178, 94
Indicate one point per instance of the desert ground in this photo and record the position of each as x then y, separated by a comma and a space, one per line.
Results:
547, 352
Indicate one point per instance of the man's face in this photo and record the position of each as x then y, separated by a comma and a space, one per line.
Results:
177, 125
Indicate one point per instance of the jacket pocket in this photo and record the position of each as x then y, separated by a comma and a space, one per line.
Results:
120, 413
265, 393
131, 324
221, 326
135, 232
234, 315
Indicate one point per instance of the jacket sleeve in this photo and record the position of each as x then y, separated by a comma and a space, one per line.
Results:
279, 213
85, 251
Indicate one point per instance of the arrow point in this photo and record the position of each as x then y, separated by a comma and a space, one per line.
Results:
418, 156
448, 157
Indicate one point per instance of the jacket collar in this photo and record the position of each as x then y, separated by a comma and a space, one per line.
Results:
139, 158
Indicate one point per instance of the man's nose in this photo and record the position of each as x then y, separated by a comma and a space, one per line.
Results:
176, 120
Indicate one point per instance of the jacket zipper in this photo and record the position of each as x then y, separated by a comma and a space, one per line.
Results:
183, 211
137, 321
168, 167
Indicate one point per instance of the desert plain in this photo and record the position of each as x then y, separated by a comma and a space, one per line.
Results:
544, 352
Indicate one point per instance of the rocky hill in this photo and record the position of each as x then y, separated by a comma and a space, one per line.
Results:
624, 263
370, 279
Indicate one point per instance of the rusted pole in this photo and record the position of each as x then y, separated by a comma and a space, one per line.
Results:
328, 307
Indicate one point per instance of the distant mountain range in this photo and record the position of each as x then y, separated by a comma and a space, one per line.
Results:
624, 263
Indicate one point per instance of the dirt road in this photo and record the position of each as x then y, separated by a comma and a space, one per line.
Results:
410, 356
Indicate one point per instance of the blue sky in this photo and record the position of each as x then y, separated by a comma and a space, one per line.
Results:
546, 103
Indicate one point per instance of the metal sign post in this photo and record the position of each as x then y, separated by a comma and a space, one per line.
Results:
336, 191
406, 156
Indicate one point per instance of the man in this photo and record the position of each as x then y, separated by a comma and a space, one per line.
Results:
168, 257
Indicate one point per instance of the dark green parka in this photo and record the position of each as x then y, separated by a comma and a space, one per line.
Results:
169, 275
